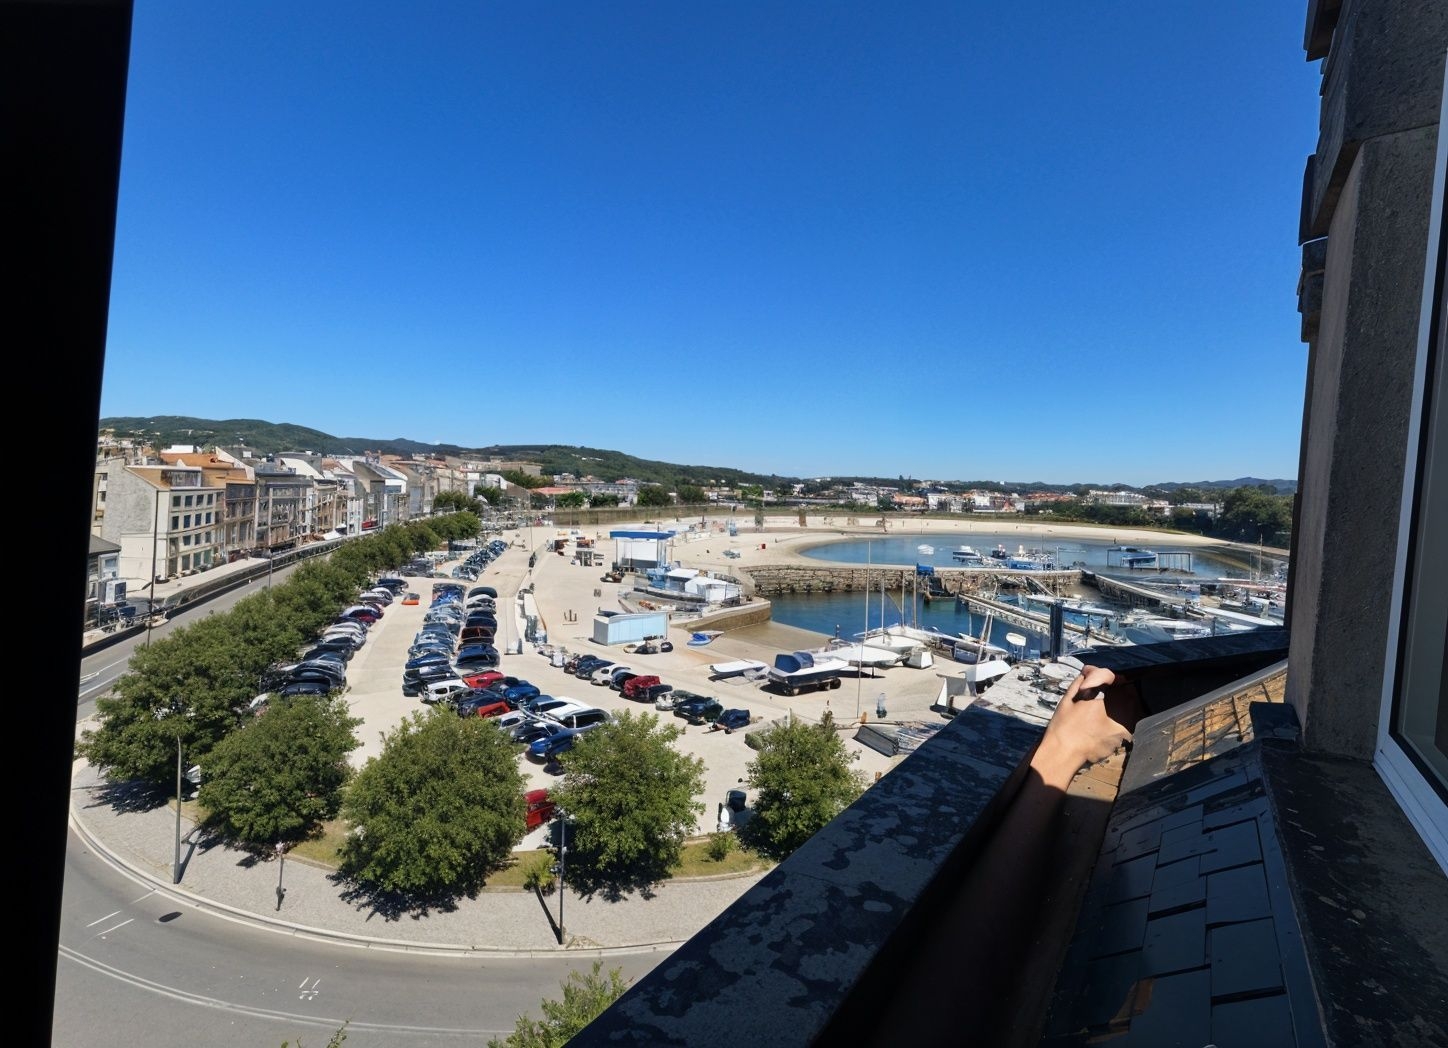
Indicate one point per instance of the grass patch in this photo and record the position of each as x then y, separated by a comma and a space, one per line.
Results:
697, 859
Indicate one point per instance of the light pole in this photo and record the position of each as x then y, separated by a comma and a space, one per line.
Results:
155, 542
281, 868
176, 860
562, 872
161, 714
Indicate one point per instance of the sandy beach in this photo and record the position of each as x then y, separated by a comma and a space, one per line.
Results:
783, 539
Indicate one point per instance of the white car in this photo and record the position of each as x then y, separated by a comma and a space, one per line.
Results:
555, 708
442, 690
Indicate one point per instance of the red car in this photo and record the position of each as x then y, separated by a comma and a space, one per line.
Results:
638, 687
482, 678
540, 808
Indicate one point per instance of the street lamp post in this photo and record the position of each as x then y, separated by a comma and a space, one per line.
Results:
562, 873
155, 542
281, 868
176, 861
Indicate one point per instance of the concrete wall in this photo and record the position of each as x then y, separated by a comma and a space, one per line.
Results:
1370, 191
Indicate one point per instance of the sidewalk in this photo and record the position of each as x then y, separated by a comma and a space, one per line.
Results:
234, 885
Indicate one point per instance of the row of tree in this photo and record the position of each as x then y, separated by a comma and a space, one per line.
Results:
1248, 514
441, 807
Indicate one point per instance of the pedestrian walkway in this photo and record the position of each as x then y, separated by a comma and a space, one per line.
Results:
314, 903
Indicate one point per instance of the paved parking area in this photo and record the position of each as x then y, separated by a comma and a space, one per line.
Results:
567, 596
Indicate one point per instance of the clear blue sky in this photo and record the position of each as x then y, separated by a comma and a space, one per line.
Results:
1029, 241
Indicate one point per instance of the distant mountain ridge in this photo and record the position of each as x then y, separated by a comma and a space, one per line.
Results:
270, 438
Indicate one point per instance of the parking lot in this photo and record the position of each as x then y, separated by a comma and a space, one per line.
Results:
567, 595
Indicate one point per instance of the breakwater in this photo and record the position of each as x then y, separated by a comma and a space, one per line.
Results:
771, 579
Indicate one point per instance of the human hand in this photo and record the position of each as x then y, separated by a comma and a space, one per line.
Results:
1092, 721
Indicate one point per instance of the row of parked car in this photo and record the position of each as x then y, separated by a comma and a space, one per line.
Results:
543, 725
322, 668
647, 687
457, 637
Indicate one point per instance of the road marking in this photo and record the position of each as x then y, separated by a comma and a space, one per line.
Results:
113, 928
309, 994
107, 917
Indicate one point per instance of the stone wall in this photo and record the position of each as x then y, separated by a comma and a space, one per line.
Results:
768, 579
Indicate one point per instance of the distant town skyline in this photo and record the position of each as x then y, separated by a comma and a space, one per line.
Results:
942, 240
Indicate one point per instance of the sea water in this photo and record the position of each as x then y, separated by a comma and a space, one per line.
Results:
848, 614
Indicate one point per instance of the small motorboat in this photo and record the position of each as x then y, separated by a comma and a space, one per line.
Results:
699, 638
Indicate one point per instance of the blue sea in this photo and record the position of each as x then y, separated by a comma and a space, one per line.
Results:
847, 614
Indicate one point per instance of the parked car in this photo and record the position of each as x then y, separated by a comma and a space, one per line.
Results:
339, 646
603, 675
511, 720
411, 598
530, 732
363, 613
414, 681
618, 678
483, 591
585, 665
538, 808
637, 686
428, 658
482, 678
306, 687
697, 707
669, 699
475, 705
477, 657
393, 583
584, 718
555, 708
478, 635
731, 719
441, 691
547, 750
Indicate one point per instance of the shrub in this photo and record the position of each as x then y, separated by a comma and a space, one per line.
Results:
538, 874
721, 844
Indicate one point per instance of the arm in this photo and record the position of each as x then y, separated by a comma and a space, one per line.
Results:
982, 939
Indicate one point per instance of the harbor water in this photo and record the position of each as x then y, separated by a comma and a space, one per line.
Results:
847, 615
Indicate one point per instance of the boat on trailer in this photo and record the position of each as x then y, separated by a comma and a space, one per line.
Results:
795, 671
737, 668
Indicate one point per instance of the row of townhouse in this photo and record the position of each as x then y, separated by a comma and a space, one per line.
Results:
159, 515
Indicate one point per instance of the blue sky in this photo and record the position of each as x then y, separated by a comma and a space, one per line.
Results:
1029, 242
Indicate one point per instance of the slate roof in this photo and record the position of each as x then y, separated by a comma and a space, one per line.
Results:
1188, 934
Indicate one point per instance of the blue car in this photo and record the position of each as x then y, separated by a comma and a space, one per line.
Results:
548, 748
731, 719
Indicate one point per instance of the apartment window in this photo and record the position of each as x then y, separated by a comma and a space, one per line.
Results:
175, 523
1412, 752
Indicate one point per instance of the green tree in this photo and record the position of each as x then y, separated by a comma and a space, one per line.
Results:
599, 498
437, 810
280, 776
652, 495
691, 495
803, 779
524, 480
629, 798
1256, 514
491, 495
572, 500
585, 998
